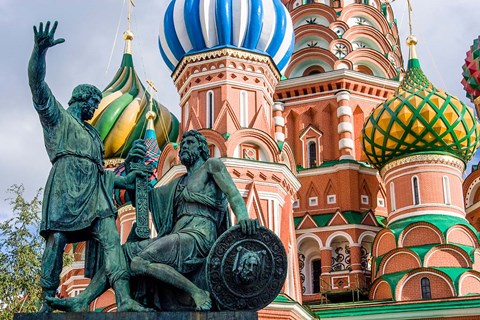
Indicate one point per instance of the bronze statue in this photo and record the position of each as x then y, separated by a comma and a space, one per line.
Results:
78, 195
189, 215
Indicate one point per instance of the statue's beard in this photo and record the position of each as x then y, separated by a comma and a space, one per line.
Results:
189, 157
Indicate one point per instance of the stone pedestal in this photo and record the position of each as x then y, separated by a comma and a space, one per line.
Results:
179, 315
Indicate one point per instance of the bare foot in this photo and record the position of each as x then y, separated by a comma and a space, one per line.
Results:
130, 305
202, 300
68, 304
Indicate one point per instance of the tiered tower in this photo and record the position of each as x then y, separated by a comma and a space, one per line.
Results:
226, 58
346, 61
471, 84
420, 139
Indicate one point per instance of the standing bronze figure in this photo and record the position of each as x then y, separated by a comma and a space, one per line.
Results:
78, 195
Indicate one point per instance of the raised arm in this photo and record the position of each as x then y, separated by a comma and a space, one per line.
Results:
225, 183
43, 39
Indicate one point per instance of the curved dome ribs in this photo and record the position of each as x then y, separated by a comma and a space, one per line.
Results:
194, 26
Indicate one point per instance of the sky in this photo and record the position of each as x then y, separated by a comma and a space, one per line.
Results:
93, 49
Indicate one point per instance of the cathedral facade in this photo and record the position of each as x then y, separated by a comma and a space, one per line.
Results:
354, 160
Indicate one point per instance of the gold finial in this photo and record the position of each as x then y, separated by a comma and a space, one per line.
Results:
128, 35
411, 39
151, 115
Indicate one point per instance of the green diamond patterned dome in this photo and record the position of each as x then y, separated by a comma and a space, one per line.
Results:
418, 118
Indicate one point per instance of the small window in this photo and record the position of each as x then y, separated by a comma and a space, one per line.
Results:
243, 108
210, 109
186, 112
364, 199
313, 201
392, 196
446, 191
380, 202
426, 292
416, 191
296, 204
312, 154
331, 199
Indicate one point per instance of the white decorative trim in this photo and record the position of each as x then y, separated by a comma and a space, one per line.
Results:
345, 127
337, 168
339, 74
293, 307
280, 136
331, 198
435, 250
278, 106
366, 234
345, 143
400, 253
337, 234
346, 157
420, 168
429, 205
310, 236
344, 111
437, 158
423, 213
343, 95
279, 121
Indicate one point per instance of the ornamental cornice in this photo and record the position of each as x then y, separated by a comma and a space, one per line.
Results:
224, 52
426, 158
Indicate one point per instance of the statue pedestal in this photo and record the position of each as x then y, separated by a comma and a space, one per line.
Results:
178, 315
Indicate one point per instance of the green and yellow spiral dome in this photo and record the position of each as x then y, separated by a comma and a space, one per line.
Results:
419, 118
121, 115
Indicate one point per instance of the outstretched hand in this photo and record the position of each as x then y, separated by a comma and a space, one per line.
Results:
44, 38
249, 226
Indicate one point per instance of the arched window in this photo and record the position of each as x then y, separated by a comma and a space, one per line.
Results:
316, 271
425, 285
243, 108
185, 113
446, 190
210, 109
392, 196
312, 154
416, 191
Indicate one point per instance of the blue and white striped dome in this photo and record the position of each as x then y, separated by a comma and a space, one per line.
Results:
191, 26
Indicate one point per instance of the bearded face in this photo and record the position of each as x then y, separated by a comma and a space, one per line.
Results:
189, 151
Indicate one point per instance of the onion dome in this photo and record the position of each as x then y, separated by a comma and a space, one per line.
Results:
193, 26
471, 71
419, 118
120, 117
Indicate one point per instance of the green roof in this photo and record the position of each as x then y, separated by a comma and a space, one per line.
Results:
442, 222
382, 221
382, 309
332, 163
297, 220
322, 219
